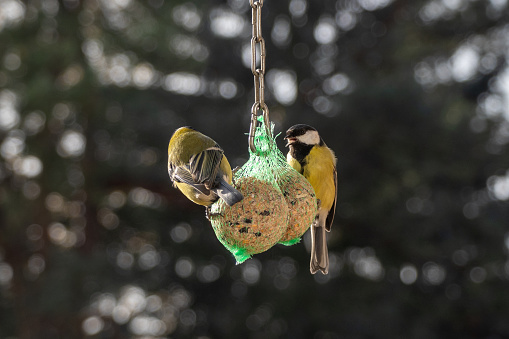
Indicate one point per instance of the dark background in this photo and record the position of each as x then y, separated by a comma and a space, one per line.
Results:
413, 96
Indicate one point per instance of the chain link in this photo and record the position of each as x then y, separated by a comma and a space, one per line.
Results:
258, 50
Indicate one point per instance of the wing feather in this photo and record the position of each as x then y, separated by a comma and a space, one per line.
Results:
183, 174
332, 211
204, 166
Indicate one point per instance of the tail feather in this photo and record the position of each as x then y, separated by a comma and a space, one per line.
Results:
319, 253
228, 193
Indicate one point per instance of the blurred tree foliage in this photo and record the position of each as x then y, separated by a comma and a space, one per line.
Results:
412, 96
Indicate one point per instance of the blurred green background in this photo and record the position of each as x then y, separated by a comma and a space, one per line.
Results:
413, 96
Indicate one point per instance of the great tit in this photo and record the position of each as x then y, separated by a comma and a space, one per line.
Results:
309, 155
199, 169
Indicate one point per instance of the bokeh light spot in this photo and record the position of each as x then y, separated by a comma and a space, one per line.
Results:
433, 273
117, 199
72, 144
336, 84
184, 267
121, 314
36, 264
34, 122
181, 232
372, 5
149, 258
228, 89
281, 31
225, 23
369, 267
298, 7
143, 75
208, 273
13, 144
34, 232
54, 202
108, 218
183, 83
346, 20
70, 77
251, 271
284, 85
125, 260
465, 63
145, 325
478, 274
12, 61
6, 273
106, 304
408, 274
188, 317
187, 16
499, 186
92, 325
460, 257
154, 303
142, 197
325, 31
11, 13
9, 117
29, 166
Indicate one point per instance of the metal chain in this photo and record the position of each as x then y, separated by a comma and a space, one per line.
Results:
258, 43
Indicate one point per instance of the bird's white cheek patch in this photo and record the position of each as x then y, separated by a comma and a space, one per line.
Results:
310, 138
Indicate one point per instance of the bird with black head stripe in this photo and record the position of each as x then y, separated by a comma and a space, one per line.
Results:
311, 157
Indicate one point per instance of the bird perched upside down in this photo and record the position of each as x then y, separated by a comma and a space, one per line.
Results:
310, 156
199, 169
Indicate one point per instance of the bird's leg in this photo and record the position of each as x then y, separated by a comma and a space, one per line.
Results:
209, 214
233, 174
315, 222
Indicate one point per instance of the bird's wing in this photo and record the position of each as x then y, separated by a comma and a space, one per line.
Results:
332, 211
203, 166
182, 174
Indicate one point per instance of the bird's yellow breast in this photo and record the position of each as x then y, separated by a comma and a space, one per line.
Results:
319, 169
294, 163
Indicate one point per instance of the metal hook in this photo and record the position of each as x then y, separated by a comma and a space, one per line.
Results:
254, 122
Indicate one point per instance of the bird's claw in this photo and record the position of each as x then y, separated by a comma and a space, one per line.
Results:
209, 214
233, 174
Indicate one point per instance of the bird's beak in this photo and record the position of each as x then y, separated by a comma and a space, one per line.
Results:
290, 141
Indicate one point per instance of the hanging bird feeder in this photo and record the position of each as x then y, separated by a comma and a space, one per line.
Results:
279, 204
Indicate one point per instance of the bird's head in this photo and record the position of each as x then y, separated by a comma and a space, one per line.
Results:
303, 134
182, 130
184, 140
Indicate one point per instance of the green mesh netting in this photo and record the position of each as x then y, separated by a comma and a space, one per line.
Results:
279, 204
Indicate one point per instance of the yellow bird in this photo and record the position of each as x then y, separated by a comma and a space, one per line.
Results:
309, 155
199, 169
